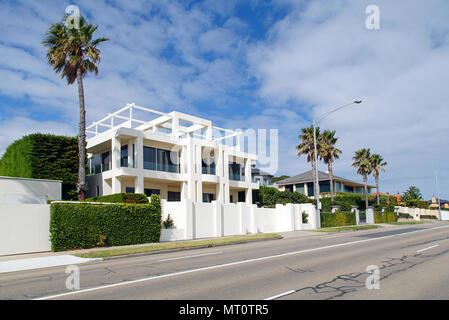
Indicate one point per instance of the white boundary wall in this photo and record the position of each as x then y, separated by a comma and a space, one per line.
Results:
416, 213
206, 220
24, 228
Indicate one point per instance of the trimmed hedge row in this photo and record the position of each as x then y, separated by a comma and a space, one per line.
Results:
121, 198
422, 204
385, 217
337, 219
428, 217
74, 226
44, 156
269, 197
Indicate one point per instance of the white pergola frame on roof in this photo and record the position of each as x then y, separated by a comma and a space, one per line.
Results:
174, 117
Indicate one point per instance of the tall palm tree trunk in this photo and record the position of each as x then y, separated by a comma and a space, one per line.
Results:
365, 182
81, 140
377, 188
331, 178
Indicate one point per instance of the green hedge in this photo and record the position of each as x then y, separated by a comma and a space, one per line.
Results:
428, 217
422, 204
337, 219
405, 216
74, 226
269, 197
44, 156
385, 217
121, 198
351, 199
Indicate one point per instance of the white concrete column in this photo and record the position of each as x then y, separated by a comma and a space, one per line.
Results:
248, 171
138, 187
189, 231
252, 219
370, 216
116, 185
241, 208
139, 153
218, 219
298, 216
116, 150
249, 196
306, 190
314, 218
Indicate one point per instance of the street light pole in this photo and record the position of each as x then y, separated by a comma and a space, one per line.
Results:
315, 121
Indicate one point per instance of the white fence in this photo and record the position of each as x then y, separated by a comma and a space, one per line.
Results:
205, 220
416, 213
24, 228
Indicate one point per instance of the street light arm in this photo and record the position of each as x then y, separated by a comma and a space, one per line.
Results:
324, 115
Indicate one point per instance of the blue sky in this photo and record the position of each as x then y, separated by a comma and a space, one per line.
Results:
251, 64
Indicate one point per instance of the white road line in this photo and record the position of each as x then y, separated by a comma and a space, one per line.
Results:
280, 295
427, 248
186, 257
227, 265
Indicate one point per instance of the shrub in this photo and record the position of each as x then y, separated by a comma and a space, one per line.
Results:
44, 156
305, 217
269, 197
415, 203
121, 198
83, 225
385, 217
168, 223
428, 217
337, 219
405, 216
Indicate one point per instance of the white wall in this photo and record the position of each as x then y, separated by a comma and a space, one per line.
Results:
232, 220
23, 190
24, 228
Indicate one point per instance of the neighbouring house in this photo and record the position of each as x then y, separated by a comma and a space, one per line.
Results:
175, 155
434, 203
260, 176
303, 183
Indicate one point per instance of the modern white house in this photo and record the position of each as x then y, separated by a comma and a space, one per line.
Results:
175, 155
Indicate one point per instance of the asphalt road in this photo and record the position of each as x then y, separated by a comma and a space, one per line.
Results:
413, 262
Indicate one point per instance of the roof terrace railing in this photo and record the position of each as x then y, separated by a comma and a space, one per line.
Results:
126, 113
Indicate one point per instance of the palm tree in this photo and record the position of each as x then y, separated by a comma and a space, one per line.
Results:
307, 147
377, 163
329, 152
73, 53
362, 161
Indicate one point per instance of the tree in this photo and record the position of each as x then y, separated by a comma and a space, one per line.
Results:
328, 153
73, 53
307, 147
377, 163
362, 161
412, 193
276, 179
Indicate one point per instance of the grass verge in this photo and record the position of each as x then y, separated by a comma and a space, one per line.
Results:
178, 245
409, 222
352, 228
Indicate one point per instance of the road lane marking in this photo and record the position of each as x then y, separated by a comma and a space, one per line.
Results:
226, 265
186, 257
427, 248
280, 295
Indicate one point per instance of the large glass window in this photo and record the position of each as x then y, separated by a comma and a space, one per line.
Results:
105, 160
124, 156
325, 186
208, 168
174, 196
310, 188
208, 197
159, 159
300, 188
234, 171
149, 192
130, 190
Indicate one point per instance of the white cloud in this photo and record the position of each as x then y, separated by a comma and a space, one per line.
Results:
323, 56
